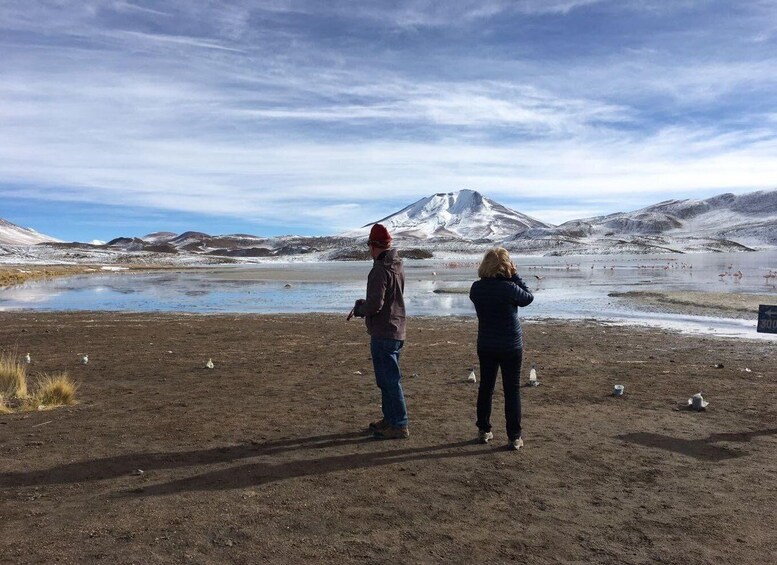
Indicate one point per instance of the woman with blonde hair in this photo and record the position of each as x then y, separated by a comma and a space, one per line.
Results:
497, 296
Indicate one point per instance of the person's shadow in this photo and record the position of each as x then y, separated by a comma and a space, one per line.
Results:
233, 477
260, 473
704, 449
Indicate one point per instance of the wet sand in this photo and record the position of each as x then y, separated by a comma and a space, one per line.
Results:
265, 458
713, 304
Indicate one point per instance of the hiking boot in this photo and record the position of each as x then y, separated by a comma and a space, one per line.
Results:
381, 424
515, 444
392, 433
485, 437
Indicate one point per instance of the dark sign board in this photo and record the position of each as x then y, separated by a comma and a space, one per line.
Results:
767, 319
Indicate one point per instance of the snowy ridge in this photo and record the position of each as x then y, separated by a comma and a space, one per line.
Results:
446, 224
713, 218
464, 214
159, 237
11, 234
726, 222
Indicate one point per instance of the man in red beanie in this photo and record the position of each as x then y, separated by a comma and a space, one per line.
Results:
384, 314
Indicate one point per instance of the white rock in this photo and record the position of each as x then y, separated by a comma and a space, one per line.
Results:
209, 364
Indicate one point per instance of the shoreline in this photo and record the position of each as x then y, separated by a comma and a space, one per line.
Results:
571, 324
17, 274
698, 303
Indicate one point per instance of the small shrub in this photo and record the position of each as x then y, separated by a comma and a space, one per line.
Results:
3, 408
13, 376
55, 390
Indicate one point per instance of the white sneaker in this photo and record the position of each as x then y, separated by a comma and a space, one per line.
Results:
485, 437
516, 444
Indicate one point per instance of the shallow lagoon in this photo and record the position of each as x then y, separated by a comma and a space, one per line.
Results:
565, 287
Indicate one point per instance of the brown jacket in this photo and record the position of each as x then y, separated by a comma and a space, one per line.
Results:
384, 308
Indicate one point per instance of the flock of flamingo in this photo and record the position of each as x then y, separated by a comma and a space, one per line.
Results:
769, 278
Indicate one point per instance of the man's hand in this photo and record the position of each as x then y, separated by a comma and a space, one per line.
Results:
358, 308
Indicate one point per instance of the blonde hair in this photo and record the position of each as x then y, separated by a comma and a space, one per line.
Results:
496, 262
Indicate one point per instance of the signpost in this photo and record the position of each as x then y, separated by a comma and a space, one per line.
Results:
767, 319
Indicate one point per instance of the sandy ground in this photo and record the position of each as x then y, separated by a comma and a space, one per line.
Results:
725, 304
264, 459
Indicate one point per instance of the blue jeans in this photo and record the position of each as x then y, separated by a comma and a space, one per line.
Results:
385, 360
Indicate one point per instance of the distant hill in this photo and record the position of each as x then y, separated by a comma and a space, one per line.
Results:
726, 222
11, 234
464, 214
464, 222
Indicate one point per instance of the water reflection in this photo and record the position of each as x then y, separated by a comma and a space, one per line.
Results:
565, 287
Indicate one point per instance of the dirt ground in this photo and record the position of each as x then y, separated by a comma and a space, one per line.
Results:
265, 458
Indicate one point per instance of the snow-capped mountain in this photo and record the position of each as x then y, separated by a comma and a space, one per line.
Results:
11, 234
727, 216
699, 217
464, 214
726, 222
462, 222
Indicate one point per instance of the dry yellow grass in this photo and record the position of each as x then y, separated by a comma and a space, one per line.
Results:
50, 390
13, 275
3, 408
54, 390
13, 375
10, 275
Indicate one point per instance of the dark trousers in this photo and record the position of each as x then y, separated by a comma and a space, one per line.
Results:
510, 363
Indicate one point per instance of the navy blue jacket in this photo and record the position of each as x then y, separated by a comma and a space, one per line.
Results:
496, 302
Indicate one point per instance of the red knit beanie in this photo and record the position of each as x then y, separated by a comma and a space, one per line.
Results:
379, 236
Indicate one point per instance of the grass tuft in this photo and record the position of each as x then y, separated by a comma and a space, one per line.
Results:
3, 408
55, 390
13, 376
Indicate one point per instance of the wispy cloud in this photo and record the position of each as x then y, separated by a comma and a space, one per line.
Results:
294, 115
128, 6
182, 40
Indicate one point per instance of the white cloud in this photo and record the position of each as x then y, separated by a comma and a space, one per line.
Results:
209, 111
128, 6
179, 39
267, 182
480, 106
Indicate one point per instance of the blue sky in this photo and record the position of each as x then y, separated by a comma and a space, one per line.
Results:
309, 117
